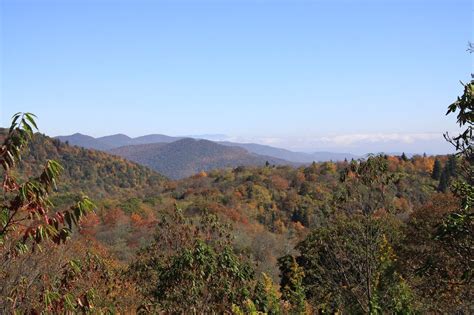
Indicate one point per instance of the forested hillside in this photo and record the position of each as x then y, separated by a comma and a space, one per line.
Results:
187, 157
91, 172
385, 234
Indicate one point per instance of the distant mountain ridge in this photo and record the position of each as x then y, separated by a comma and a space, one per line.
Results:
115, 141
186, 157
85, 141
297, 157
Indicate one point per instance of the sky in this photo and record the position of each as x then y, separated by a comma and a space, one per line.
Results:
322, 75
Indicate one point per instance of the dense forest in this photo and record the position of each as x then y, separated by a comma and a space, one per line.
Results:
88, 232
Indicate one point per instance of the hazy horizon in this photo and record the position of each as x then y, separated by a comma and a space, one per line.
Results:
358, 144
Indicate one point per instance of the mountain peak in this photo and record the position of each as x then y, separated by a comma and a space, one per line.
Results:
117, 135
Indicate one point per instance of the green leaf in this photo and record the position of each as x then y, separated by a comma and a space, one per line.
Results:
27, 127
29, 117
14, 124
75, 265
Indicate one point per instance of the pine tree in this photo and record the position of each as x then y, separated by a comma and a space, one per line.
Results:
452, 166
449, 171
404, 157
444, 180
436, 174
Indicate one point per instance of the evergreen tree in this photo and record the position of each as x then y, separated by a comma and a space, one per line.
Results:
449, 171
404, 157
444, 180
452, 166
437, 169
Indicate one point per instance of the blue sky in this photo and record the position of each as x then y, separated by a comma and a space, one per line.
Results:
307, 75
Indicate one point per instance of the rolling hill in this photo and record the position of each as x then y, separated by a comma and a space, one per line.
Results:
85, 141
188, 156
115, 141
91, 172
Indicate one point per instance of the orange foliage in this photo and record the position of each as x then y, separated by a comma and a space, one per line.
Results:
89, 224
114, 216
201, 174
136, 220
300, 178
298, 226
148, 216
401, 204
279, 226
279, 182
393, 163
380, 213
232, 214
424, 164
238, 194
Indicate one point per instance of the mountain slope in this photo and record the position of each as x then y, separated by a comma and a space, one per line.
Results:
155, 138
186, 157
91, 172
85, 141
119, 140
114, 141
298, 157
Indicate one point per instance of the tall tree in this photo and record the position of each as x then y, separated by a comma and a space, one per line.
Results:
429, 266
437, 169
448, 264
348, 263
456, 232
444, 180
452, 166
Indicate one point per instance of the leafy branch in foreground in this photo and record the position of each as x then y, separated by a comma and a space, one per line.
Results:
457, 229
464, 106
26, 214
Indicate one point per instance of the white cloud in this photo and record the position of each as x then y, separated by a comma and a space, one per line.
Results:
357, 143
352, 139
